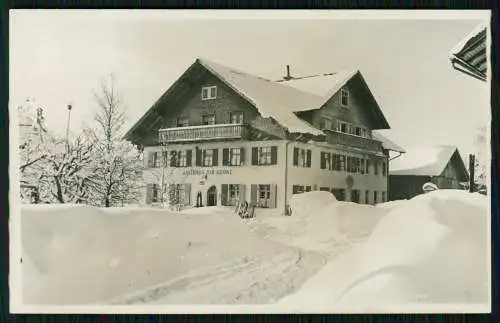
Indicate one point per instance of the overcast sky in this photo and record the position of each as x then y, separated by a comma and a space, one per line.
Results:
57, 57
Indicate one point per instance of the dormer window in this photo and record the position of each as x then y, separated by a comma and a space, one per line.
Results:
344, 98
208, 92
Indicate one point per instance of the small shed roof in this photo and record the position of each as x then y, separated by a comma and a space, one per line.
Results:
423, 161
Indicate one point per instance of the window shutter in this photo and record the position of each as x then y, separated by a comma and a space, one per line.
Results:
224, 194
173, 158
242, 156
273, 196
164, 158
295, 156
172, 194
255, 156
187, 194
149, 193
295, 189
198, 157
149, 160
253, 193
308, 163
274, 155
323, 160
243, 195
225, 157
189, 157
215, 158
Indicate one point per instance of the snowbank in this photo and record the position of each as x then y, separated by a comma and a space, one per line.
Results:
320, 223
432, 249
85, 255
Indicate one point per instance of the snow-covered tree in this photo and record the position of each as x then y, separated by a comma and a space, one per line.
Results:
116, 162
481, 158
64, 175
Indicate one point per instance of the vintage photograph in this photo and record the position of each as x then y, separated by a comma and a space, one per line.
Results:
239, 161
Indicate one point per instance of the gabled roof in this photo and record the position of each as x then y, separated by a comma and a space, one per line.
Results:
469, 55
278, 100
425, 161
387, 143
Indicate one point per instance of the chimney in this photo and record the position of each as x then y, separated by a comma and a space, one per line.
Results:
288, 76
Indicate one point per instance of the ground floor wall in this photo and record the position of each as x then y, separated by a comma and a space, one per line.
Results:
266, 185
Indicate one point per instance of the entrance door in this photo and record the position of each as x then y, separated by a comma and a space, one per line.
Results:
212, 196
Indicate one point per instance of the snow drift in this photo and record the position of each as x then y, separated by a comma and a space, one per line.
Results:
85, 255
320, 223
432, 249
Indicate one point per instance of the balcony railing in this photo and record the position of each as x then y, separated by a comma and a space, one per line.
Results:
202, 133
354, 141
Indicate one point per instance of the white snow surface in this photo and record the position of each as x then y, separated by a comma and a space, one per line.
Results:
329, 254
428, 250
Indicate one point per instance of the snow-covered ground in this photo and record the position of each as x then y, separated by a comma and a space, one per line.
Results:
432, 249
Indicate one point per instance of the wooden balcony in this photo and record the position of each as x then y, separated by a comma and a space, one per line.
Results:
335, 137
203, 133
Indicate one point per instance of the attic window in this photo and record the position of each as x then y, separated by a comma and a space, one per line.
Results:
208, 92
344, 98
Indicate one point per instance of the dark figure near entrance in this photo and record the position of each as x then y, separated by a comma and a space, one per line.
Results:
199, 200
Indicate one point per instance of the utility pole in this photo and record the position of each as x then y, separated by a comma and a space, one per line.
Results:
67, 126
472, 162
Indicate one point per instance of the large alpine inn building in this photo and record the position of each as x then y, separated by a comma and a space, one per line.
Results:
219, 136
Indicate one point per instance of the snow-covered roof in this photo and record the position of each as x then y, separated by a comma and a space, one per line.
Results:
272, 99
422, 161
387, 143
278, 100
323, 85
470, 54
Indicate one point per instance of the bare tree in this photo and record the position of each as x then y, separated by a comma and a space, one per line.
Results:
115, 161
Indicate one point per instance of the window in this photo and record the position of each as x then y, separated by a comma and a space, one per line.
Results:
178, 158
344, 98
367, 197
208, 119
355, 196
155, 197
363, 133
297, 189
343, 127
182, 122
363, 166
208, 92
367, 171
263, 196
233, 194
208, 157
327, 124
324, 189
384, 169
339, 194
236, 117
301, 157
375, 166
235, 156
264, 155
325, 162
157, 160
383, 196
358, 131
375, 197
